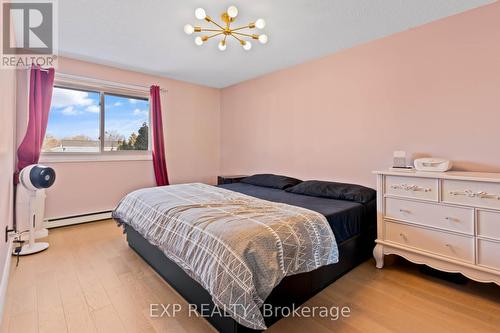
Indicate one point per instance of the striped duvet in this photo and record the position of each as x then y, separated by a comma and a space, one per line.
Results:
236, 246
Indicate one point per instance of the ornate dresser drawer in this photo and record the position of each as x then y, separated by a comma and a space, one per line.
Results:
488, 224
456, 219
470, 193
447, 220
489, 254
449, 245
412, 187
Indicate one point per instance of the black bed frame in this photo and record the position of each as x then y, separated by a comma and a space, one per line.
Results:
292, 291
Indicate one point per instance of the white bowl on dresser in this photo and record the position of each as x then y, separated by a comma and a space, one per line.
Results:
449, 221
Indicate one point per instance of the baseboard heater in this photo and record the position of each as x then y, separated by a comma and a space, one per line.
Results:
76, 219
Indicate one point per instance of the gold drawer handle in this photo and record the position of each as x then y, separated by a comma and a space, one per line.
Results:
472, 194
409, 187
403, 236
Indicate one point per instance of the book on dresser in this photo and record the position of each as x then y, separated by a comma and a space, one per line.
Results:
449, 221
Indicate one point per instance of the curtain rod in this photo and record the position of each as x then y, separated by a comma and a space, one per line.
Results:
103, 82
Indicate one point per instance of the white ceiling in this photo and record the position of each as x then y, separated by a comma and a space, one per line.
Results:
147, 35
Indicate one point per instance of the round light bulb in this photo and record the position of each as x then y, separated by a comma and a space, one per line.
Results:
200, 13
222, 45
260, 23
247, 46
198, 41
232, 11
188, 29
263, 39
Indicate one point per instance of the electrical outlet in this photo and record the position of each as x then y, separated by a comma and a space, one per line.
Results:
7, 231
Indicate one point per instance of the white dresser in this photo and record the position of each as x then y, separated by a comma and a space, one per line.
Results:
449, 221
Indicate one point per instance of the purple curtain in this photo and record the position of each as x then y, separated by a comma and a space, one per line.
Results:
40, 96
159, 161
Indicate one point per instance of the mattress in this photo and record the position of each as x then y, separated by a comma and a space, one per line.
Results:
346, 218
238, 247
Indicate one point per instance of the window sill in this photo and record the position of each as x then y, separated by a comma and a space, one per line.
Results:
94, 157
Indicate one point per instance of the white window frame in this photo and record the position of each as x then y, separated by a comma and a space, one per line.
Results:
103, 88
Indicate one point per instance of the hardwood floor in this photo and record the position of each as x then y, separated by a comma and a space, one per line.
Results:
89, 280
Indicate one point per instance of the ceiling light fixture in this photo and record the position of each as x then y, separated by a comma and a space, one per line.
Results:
225, 29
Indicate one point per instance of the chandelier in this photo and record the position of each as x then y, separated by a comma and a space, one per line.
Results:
225, 30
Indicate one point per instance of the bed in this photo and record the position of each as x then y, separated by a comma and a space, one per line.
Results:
353, 224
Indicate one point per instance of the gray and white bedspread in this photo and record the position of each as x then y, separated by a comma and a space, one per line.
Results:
236, 246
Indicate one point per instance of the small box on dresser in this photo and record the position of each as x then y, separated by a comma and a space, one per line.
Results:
449, 221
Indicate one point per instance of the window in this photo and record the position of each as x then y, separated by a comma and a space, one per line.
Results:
126, 123
86, 121
73, 124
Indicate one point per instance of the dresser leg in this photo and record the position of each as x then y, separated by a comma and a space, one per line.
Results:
378, 254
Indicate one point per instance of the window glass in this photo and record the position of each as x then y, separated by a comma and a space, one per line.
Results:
73, 124
126, 123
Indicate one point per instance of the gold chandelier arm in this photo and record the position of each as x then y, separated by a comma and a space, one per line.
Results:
242, 42
203, 29
214, 35
213, 22
246, 35
248, 26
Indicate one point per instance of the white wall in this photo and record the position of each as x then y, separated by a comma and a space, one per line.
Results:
7, 160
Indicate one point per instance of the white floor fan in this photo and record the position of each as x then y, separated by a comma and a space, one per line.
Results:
30, 205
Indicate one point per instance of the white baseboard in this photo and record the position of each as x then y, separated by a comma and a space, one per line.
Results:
5, 277
64, 221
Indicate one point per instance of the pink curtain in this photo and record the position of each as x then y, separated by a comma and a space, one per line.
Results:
159, 161
40, 96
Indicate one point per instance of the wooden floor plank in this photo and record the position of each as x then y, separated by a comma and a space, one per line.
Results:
76, 310
89, 280
107, 320
26, 322
49, 306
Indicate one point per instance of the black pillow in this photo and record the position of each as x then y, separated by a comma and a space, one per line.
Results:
270, 180
332, 190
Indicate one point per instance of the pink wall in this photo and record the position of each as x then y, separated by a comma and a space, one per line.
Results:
432, 90
7, 144
192, 130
